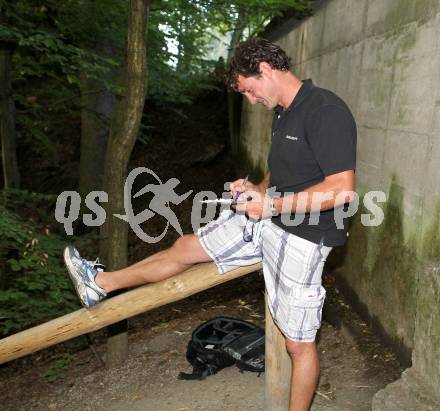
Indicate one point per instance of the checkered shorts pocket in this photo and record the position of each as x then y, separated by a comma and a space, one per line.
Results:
305, 312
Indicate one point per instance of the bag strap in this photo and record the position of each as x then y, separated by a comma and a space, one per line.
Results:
200, 372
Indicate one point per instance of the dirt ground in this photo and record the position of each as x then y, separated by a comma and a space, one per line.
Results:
71, 376
353, 368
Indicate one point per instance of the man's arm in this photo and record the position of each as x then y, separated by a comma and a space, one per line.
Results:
322, 196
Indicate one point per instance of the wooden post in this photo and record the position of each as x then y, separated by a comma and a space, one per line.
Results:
277, 368
197, 278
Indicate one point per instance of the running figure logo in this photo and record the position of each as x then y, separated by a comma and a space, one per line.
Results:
164, 195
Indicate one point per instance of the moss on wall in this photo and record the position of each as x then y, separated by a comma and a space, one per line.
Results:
431, 237
395, 272
398, 13
427, 350
379, 272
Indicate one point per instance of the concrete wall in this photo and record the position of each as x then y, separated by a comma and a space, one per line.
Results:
383, 58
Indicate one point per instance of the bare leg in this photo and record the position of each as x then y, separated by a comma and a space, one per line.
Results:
305, 373
185, 252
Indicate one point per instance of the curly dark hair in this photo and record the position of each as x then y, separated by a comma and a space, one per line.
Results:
247, 58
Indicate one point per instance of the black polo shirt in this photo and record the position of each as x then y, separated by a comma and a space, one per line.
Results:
313, 138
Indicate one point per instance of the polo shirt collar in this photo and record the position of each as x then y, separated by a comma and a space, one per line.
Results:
303, 92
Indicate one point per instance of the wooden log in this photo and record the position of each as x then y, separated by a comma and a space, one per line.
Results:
198, 278
277, 368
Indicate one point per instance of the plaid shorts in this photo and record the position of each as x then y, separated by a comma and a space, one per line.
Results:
292, 268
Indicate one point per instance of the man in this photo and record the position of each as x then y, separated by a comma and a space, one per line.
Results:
311, 163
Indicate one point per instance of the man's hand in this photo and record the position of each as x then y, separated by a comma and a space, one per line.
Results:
238, 187
254, 204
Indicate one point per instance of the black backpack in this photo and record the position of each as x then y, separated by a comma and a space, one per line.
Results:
223, 342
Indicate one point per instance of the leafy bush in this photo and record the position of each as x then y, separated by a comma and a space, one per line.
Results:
57, 369
34, 286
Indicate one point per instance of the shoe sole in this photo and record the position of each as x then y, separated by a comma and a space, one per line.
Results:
77, 281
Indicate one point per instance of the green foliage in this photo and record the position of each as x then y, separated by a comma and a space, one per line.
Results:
254, 15
34, 286
193, 27
43, 43
59, 44
36, 208
57, 370
53, 52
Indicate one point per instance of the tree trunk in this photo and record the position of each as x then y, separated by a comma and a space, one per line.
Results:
234, 99
125, 121
182, 52
237, 33
7, 122
96, 107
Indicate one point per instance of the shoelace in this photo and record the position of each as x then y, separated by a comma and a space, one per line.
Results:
98, 267
96, 264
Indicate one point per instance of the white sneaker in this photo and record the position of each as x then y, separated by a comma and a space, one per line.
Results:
83, 274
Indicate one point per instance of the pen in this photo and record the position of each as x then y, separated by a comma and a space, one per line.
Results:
238, 193
224, 201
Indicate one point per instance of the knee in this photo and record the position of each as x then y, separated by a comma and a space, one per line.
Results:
182, 244
187, 250
297, 349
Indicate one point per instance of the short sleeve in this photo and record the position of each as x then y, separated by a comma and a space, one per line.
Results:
331, 133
